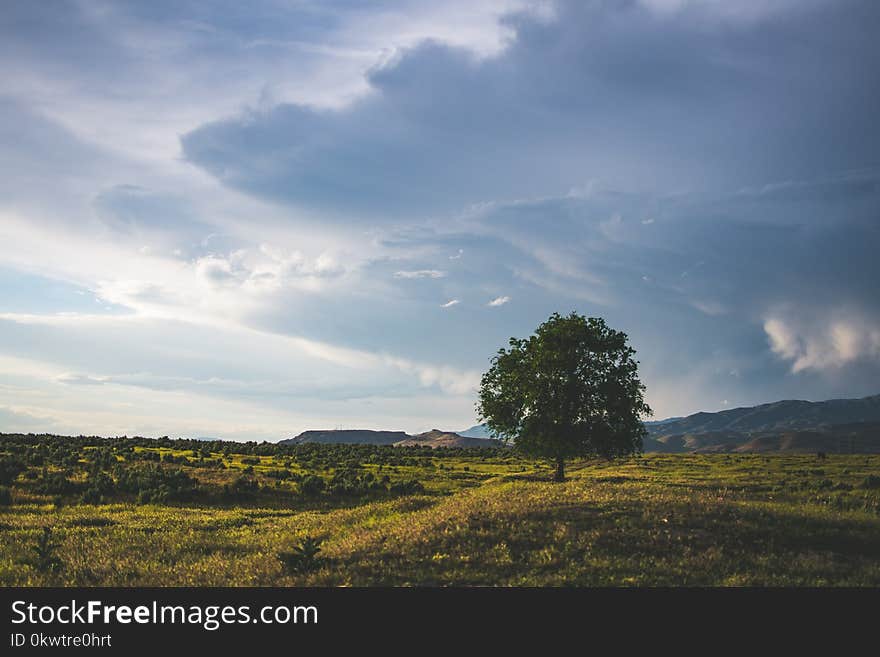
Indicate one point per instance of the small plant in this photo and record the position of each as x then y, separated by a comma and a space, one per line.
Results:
304, 557
871, 481
44, 559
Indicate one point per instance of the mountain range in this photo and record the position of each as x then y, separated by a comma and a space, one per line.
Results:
784, 415
836, 425
433, 438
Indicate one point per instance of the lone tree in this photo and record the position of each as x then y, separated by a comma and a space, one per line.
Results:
571, 389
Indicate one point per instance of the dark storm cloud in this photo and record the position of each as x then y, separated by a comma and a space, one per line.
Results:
608, 90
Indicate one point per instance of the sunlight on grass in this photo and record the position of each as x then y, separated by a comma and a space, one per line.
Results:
659, 520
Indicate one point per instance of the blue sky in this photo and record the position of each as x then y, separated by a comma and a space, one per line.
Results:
246, 220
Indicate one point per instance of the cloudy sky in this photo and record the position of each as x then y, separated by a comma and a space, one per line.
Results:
249, 219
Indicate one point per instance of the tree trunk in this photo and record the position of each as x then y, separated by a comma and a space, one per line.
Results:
560, 470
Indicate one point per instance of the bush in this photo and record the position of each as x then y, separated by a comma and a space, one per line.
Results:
44, 559
349, 482
154, 484
102, 457
304, 557
278, 474
55, 483
242, 489
98, 485
152, 495
10, 468
871, 481
5, 496
171, 458
311, 485
409, 487
91, 496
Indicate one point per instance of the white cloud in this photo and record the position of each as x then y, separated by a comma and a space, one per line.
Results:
739, 10
16, 419
709, 307
420, 273
158, 364
498, 301
73, 378
272, 350
450, 303
214, 270
822, 343
449, 379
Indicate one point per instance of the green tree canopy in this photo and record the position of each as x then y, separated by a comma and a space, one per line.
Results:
571, 389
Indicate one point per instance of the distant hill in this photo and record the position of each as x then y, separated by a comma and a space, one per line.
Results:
862, 437
787, 415
433, 438
692, 442
846, 438
437, 438
476, 431
788, 425
836, 425
859, 437
843, 425
654, 423
350, 436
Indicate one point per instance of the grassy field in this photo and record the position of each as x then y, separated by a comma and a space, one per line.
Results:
658, 520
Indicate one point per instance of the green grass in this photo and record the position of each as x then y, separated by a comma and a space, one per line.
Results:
659, 520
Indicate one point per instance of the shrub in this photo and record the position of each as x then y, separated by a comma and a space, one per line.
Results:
242, 489
152, 483
171, 458
409, 487
98, 485
44, 559
871, 481
91, 496
304, 557
10, 468
311, 485
350, 482
278, 474
102, 457
55, 483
